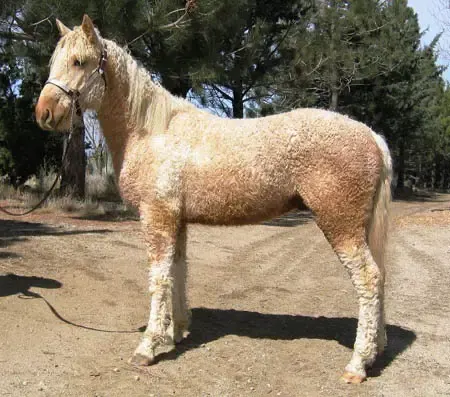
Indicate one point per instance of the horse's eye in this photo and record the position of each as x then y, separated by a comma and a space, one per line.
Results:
76, 63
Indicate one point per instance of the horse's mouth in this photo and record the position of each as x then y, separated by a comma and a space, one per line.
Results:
46, 127
53, 124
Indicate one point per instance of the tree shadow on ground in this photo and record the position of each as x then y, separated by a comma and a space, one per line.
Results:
12, 232
112, 212
8, 255
419, 196
212, 324
13, 284
292, 218
110, 217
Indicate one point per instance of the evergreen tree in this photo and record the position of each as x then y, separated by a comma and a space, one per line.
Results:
245, 58
245, 50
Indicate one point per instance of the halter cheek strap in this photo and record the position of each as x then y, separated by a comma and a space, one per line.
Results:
75, 94
102, 64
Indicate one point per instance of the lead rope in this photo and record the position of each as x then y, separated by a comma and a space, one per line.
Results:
47, 194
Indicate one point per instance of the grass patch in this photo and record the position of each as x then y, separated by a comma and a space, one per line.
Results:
102, 198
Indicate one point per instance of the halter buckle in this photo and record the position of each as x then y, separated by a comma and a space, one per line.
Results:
103, 60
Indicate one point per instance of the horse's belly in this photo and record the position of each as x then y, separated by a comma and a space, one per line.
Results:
227, 207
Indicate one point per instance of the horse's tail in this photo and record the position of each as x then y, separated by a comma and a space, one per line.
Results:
378, 226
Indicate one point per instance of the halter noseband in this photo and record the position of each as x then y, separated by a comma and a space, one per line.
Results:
75, 94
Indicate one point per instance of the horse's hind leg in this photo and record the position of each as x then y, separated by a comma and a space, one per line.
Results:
368, 279
345, 226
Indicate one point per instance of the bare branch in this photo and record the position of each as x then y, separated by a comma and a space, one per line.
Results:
175, 24
176, 11
178, 23
138, 37
319, 64
223, 93
17, 36
43, 20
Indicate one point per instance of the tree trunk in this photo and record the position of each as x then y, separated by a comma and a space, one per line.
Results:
334, 99
401, 165
446, 175
73, 176
238, 102
437, 171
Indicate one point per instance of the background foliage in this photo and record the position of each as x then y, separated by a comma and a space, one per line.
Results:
246, 58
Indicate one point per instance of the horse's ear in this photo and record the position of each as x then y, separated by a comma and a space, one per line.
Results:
89, 30
63, 29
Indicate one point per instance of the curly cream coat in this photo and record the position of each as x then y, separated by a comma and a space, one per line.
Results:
179, 164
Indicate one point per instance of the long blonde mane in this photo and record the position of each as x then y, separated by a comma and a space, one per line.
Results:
150, 105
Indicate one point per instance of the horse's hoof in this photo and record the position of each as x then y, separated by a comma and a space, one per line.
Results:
140, 360
180, 335
350, 377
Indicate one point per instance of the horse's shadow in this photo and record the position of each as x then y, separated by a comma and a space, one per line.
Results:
12, 284
212, 324
289, 219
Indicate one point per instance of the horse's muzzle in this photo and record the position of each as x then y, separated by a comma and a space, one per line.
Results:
46, 115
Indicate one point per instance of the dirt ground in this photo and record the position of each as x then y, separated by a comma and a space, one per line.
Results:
274, 313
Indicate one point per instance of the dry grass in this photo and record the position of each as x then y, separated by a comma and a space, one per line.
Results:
61, 203
102, 196
102, 187
7, 191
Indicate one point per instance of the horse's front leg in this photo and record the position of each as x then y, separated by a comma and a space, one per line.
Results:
161, 225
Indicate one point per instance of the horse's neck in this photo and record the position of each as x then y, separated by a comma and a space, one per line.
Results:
115, 129
152, 107
118, 128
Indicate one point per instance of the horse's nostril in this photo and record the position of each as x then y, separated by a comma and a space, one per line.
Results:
47, 116
44, 114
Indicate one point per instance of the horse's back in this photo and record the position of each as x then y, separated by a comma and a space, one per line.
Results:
252, 169
309, 125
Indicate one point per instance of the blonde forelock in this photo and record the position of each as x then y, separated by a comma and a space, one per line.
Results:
77, 44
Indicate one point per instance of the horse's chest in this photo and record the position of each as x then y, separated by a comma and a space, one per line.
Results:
144, 178
130, 183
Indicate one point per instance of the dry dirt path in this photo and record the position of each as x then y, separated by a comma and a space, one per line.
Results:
274, 313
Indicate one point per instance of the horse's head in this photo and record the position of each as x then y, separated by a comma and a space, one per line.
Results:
76, 77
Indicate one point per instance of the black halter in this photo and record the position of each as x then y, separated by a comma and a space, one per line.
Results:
75, 94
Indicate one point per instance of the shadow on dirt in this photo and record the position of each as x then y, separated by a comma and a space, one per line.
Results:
8, 255
418, 196
212, 324
110, 217
293, 218
12, 284
12, 232
112, 212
